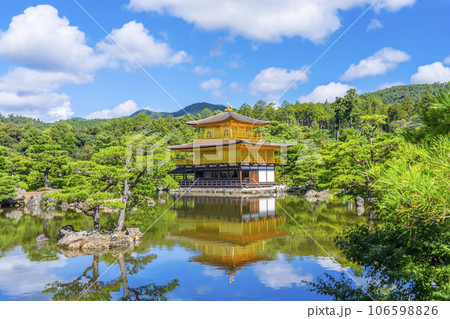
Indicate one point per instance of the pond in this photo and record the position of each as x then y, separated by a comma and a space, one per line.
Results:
201, 248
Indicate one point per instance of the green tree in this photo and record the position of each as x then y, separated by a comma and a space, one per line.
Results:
10, 134
8, 183
8, 186
205, 113
141, 162
47, 159
91, 185
305, 164
435, 120
105, 140
365, 150
32, 136
69, 143
343, 109
407, 256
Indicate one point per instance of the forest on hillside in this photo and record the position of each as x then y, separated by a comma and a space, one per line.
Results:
416, 91
396, 155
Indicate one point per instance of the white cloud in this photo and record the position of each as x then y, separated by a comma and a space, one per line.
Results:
379, 63
279, 273
40, 39
20, 276
124, 109
330, 264
30, 93
202, 70
217, 47
327, 92
212, 84
47, 106
389, 85
236, 61
393, 5
213, 272
431, 73
234, 86
203, 290
136, 44
374, 24
447, 60
25, 80
264, 21
234, 64
273, 81
51, 54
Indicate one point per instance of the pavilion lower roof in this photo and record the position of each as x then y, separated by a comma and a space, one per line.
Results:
204, 144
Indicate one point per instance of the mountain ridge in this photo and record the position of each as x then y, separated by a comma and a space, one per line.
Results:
397, 93
193, 109
389, 95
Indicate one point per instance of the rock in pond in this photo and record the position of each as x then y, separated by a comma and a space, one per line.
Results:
149, 201
64, 206
311, 193
86, 241
134, 232
65, 230
359, 201
313, 196
360, 210
323, 195
41, 239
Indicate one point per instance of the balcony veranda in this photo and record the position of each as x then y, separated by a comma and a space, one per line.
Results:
260, 159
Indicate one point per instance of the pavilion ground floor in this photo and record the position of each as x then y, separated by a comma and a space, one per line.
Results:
225, 175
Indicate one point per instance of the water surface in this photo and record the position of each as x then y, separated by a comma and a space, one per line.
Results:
202, 248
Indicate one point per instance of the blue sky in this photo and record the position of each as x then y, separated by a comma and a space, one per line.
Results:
56, 62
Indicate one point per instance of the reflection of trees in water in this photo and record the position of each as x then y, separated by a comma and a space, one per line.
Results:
85, 287
151, 292
88, 285
322, 221
23, 232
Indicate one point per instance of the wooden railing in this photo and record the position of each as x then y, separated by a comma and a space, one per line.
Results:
242, 159
224, 183
234, 135
212, 183
262, 159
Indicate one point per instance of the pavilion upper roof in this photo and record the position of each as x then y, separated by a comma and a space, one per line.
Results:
227, 115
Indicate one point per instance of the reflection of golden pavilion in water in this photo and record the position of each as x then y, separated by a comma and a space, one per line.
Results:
229, 232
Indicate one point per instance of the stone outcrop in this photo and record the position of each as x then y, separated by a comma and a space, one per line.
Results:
35, 201
14, 214
41, 239
99, 241
359, 201
313, 196
149, 201
17, 201
360, 210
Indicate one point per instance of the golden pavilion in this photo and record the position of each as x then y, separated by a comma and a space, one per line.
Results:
227, 153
